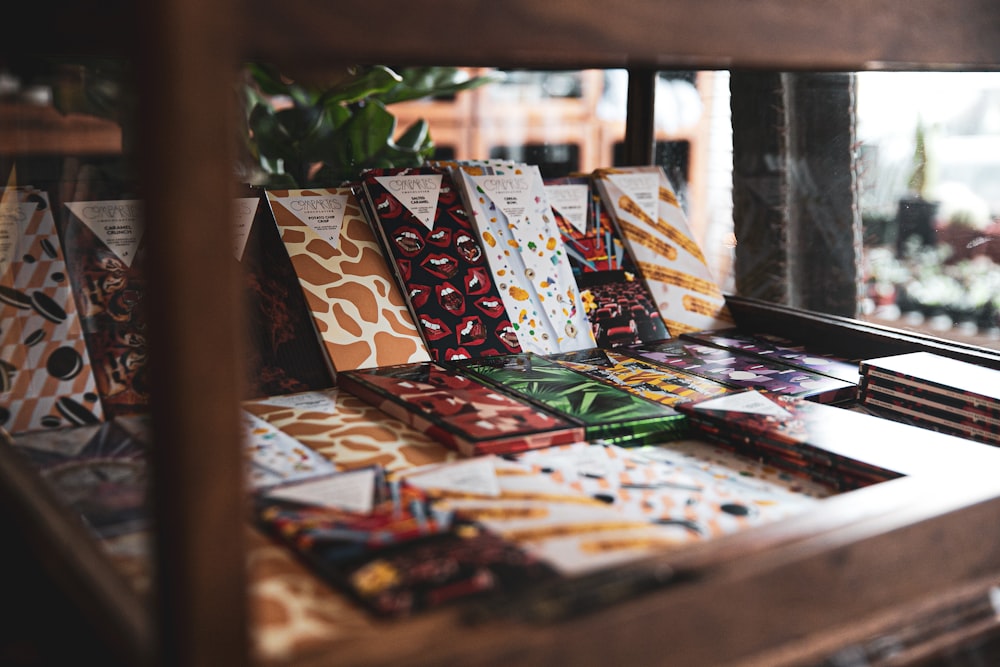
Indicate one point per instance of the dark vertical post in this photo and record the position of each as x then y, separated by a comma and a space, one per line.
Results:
186, 81
640, 138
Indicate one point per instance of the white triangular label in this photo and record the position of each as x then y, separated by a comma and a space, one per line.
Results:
510, 193
244, 211
572, 201
118, 224
641, 188
476, 476
13, 218
417, 192
324, 214
312, 400
353, 491
751, 402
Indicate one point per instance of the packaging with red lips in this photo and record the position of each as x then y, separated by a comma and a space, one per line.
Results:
458, 411
426, 233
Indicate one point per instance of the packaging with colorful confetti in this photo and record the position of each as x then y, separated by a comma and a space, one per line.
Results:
608, 413
619, 305
46, 375
276, 457
744, 371
356, 304
460, 411
99, 471
285, 354
769, 346
654, 226
512, 215
426, 234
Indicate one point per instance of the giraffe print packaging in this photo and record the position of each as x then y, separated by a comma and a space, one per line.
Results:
357, 307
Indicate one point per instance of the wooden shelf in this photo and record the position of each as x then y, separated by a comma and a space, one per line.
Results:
782, 595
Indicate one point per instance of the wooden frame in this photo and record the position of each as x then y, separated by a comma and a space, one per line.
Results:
748, 602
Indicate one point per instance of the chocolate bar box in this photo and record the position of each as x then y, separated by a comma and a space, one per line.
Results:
425, 231
460, 411
655, 228
609, 413
620, 308
46, 377
738, 369
356, 305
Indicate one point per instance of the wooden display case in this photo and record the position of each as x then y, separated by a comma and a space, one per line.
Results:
902, 561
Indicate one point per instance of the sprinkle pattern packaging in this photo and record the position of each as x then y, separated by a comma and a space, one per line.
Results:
619, 305
425, 232
655, 228
275, 457
514, 219
357, 307
744, 371
460, 411
608, 413
349, 432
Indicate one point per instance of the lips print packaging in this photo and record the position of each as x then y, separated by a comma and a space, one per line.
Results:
458, 411
429, 240
46, 378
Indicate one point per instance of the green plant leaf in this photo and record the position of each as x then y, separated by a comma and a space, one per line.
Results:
416, 137
422, 82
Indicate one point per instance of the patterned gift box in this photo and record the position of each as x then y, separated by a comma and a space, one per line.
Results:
348, 431
607, 412
426, 232
356, 304
461, 412
46, 377
619, 305
519, 234
655, 228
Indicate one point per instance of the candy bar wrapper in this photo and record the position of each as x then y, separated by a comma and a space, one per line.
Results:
935, 375
46, 377
285, 352
276, 457
99, 471
691, 485
357, 307
744, 371
769, 346
655, 228
461, 412
349, 432
607, 412
558, 524
643, 378
530, 264
105, 257
426, 234
901, 402
402, 555
619, 306
832, 438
